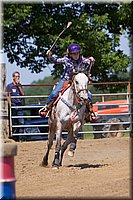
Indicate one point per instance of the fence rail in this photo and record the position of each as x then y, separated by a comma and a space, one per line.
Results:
81, 132
95, 125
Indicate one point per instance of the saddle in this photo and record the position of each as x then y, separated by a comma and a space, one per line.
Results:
65, 86
44, 113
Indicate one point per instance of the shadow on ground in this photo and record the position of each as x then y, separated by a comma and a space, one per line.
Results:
85, 165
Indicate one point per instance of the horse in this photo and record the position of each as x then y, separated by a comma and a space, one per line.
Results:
68, 114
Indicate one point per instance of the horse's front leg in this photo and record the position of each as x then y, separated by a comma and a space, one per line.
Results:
56, 163
73, 143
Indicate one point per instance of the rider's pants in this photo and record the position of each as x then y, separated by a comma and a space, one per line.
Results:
55, 91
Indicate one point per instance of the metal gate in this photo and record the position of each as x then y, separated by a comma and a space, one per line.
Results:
33, 128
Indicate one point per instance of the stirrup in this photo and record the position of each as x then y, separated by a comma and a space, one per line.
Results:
43, 109
90, 117
93, 116
43, 112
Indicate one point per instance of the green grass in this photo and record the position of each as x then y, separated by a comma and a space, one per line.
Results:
88, 135
126, 134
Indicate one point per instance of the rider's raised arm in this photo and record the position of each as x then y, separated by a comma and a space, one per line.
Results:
54, 59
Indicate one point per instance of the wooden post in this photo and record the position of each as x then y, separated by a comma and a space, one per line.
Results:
4, 121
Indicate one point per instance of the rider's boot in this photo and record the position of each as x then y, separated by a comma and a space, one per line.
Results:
45, 110
90, 115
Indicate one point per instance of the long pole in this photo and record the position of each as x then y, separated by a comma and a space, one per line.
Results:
68, 25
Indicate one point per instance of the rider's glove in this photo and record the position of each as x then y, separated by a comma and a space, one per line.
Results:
48, 53
92, 59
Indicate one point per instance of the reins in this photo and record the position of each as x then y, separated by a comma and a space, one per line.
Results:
76, 97
91, 63
74, 92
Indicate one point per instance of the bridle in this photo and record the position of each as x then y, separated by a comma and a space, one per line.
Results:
76, 93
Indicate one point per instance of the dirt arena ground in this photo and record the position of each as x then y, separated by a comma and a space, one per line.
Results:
100, 168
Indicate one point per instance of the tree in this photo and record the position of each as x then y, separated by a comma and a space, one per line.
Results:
30, 29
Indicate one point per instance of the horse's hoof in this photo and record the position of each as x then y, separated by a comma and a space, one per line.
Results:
55, 167
70, 153
44, 163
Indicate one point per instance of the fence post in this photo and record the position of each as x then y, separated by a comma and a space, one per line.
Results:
4, 104
128, 91
131, 92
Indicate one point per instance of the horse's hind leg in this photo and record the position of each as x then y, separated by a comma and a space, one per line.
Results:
57, 146
49, 145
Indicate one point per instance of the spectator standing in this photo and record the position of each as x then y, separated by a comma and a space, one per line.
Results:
15, 89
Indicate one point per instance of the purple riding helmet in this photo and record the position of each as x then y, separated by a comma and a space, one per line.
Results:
74, 48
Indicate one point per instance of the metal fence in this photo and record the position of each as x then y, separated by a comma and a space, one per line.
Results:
34, 129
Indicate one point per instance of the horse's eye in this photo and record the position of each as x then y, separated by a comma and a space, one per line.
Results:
76, 82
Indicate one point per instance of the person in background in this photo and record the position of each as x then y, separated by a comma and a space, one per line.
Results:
15, 89
73, 61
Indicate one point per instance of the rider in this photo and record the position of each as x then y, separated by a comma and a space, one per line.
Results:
73, 62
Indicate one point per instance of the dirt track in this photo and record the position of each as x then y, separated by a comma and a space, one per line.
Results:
100, 168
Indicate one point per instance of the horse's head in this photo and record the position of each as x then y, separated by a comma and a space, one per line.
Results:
80, 82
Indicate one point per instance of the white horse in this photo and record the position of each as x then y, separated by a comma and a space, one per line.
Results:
67, 115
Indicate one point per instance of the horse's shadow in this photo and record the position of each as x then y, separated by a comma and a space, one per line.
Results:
85, 165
